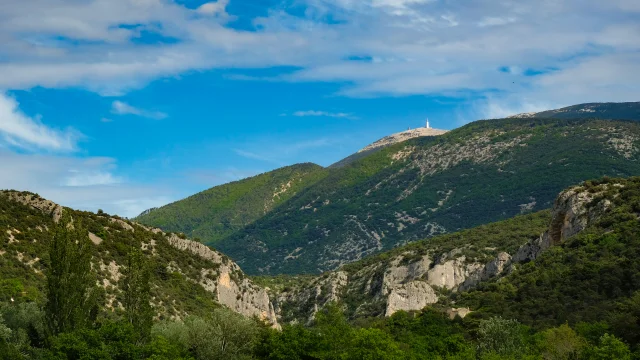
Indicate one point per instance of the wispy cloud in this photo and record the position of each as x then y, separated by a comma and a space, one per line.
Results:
323, 114
255, 156
82, 183
21, 131
283, 153
122, 108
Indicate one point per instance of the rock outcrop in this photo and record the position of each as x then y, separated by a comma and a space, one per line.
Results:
46, 206
571, 214
231, 288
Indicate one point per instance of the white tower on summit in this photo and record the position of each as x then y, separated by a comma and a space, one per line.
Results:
428, 127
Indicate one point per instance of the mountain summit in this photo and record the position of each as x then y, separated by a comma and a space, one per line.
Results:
402, 136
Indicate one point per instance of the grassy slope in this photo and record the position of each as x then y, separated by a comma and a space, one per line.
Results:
218, 212
333, 221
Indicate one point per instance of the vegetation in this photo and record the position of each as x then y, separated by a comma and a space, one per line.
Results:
220, 211
628, 110
578, 300
426, 334
71, 290
120, 260
593, 276
480, 173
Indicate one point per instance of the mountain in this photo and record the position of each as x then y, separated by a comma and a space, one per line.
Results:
388, 141
578, 263
218, 212
628, 110
483, 172
188, 278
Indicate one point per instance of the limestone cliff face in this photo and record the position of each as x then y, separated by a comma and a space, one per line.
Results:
411, 281
231, 287
573, 211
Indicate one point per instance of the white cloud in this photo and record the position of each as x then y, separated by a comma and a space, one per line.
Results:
417, 47
122, 108
83, 178
323, 114
22, 131
80, 183
213, 8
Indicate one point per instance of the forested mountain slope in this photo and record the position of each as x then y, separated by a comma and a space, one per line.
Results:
218, 212
578, 263
186, 277
482, 172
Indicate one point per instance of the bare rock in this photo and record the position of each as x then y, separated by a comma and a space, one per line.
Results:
412, 296
95, 238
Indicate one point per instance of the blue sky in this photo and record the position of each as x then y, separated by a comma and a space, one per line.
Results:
127, 104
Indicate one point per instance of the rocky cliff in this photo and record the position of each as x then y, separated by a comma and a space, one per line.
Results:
420, 275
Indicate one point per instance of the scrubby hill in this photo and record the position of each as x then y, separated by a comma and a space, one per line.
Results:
216, 213
586, 266
187, 277
483, 172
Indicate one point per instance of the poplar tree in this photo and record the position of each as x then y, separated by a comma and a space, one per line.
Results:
70, 289
137, 291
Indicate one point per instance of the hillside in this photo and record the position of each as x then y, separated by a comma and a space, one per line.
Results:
590, 272
187, 277
409, 277
483, 172
218, 212
578, 263
629, 110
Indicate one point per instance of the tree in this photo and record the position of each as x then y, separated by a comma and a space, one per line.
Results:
71, 291
137, 293
610, 348
224, 335
501, 336
561, 343
374, 344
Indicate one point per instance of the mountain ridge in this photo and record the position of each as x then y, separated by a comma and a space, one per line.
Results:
607, 110
217, 212
483, 172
